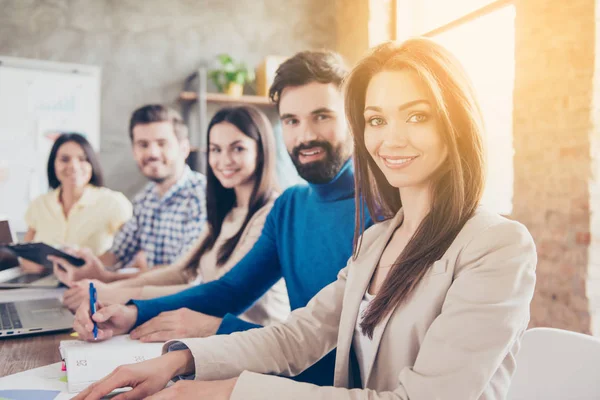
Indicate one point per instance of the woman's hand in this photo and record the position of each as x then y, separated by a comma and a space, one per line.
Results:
145, 378
214, 390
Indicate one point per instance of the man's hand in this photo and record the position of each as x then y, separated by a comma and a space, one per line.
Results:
69, 274
29, 267
140, 261
214, 390
112, 320
182, 323
145, 378
106, 294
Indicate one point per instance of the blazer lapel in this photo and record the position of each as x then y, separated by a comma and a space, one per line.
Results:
363, 272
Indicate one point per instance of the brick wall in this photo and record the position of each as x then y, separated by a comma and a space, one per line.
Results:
553, 97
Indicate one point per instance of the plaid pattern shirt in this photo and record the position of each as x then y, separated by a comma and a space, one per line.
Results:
164, 227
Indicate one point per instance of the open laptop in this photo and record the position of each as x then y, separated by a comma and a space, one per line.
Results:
27, 317
11, 275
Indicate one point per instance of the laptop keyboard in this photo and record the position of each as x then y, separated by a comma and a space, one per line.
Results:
9, 317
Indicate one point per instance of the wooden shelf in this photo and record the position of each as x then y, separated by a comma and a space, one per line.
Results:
188, 96
224, 98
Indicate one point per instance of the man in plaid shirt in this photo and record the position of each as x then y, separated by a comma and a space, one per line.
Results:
170, 212
162, 227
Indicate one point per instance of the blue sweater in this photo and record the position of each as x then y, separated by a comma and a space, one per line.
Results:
306, 239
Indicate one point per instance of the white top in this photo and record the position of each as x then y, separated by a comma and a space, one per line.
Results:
365, 348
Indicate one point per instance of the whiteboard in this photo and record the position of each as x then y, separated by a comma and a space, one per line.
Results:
38, 101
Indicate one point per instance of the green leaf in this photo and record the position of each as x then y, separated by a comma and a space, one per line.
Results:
230, 72
229, 68
225, 59
240, 79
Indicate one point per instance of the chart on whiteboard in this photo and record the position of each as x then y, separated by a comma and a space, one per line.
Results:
36, 106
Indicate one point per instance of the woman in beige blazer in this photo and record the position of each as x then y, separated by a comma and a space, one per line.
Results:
241, 190
434, 301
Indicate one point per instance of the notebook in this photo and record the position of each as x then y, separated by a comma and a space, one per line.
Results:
89, 362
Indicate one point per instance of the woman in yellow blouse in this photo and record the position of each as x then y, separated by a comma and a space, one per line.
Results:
79, 211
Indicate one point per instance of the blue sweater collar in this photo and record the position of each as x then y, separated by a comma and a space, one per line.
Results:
340, 187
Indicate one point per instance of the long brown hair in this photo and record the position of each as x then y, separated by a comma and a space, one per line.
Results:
457, 185
220, 200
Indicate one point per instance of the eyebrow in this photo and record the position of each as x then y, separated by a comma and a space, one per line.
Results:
322, 110
401, 108
229, 145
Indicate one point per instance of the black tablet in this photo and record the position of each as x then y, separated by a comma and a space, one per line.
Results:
39, 252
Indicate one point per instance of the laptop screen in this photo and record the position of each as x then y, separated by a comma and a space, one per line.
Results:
5, 233
8, 259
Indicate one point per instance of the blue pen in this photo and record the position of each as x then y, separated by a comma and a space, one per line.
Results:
93, 307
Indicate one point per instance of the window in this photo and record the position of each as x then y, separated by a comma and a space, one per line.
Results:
429, 15
484, 43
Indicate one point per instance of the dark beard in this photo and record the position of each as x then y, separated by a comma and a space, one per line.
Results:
321, 171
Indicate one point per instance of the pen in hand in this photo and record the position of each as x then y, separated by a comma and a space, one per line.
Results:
93, 308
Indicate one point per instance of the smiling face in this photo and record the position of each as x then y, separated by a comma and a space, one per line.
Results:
402, 133
72, 167
232, 155
157, 151
314, 130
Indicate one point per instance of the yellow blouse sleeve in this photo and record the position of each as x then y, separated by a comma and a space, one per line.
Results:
119, 213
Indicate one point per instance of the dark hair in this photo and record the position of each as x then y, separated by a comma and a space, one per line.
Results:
323, 66
220, 200
97, 178
457, 185
151, 113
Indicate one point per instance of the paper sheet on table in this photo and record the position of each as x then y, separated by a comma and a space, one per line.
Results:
89, 362
48, 378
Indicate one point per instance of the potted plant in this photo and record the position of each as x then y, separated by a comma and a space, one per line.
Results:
231, 76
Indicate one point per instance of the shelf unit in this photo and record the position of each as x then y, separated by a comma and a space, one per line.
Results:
195, 92
224, 98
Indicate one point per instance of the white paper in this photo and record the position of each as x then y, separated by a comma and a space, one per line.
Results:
48, 377
89, 362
